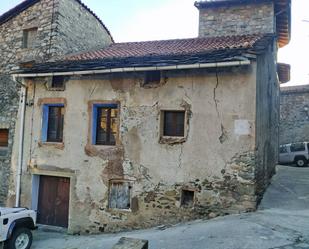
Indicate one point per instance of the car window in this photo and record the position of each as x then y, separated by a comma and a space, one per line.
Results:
283, 149
297, 147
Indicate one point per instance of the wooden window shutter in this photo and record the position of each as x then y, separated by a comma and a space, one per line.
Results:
4, 137
119, 195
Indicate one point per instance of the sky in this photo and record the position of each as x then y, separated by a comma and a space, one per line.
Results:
143, 20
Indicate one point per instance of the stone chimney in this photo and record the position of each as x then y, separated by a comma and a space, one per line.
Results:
235, 17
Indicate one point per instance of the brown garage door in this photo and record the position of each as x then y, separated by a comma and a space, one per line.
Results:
53, 203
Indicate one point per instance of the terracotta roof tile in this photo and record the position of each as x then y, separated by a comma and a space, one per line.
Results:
168, 47
158, 53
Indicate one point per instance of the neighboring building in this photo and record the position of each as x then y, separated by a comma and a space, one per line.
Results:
37, 31
146, 133
294, 114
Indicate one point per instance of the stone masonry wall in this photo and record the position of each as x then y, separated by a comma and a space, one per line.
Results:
8, 113
64, 26
294, 114
11, 36
77, 29
236, 20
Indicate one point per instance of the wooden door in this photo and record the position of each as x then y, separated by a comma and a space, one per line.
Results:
53, 203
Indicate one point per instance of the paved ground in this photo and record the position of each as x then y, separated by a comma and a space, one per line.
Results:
281, 222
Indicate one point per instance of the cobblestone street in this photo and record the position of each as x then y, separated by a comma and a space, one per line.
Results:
280, 223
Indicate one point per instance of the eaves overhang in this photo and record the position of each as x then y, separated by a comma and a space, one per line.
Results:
136, 69
284, 72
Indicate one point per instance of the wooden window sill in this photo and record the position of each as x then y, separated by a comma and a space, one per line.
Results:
172, 140
56, 145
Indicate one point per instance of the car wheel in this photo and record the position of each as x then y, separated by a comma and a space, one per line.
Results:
300, 162
21, 239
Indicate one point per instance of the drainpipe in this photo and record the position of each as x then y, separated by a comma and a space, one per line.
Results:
21, 140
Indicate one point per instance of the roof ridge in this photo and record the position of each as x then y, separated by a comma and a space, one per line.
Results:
193, 38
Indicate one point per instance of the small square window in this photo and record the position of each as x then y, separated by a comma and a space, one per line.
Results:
174, 123
152, 77
187, 198
105, 124
53, 116
57, 82
120, 195
29, 37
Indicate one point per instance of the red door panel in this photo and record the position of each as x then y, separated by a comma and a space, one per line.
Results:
53, 203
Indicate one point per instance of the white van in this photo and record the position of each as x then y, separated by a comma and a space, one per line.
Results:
294, 153
15, 227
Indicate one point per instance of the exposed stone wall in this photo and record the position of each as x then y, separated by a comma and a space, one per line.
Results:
11, 36
64, 26
237, 20
8, 112
267, 120
294, 114
216, 160
77, 29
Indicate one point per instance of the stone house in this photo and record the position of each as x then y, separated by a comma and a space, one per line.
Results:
144, 133
294, 114
37, 31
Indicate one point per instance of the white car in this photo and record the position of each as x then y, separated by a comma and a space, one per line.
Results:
15, 227
294, 153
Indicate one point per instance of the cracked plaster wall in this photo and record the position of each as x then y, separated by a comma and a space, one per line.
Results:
220, 171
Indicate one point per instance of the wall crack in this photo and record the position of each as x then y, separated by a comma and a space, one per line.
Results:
224, 135
180, 156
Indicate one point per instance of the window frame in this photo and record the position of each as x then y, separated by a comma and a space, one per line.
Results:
164, 130
45, 119
94, 121
152, 78
51, 80
162, 122
25, 44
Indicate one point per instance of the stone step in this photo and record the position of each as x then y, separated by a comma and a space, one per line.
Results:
131, 243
